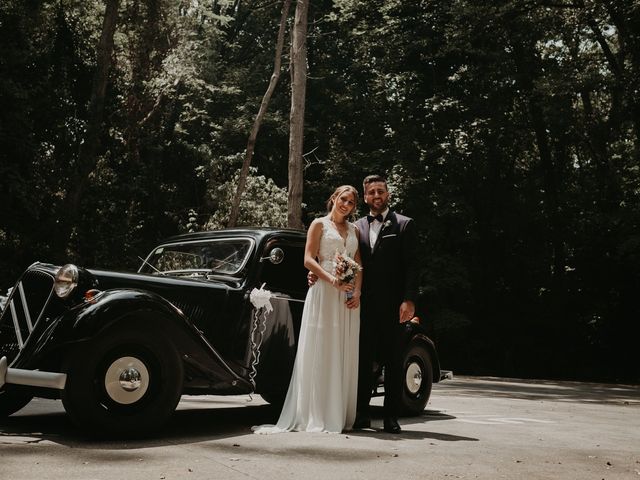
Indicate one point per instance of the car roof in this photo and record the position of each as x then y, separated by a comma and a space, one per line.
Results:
257, 233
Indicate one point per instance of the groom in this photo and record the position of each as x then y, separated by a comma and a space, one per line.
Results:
388, 243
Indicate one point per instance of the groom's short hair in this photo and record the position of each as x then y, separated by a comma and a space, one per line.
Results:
372, 179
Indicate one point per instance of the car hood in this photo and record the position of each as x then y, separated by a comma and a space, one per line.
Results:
197, 298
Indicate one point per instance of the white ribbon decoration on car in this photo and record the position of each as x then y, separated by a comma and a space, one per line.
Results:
261, 300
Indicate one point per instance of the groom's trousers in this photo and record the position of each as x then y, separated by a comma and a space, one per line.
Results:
380, 345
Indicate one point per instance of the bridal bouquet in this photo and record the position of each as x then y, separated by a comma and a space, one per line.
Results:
345, 268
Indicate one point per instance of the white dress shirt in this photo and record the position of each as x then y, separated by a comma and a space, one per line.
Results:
375, 227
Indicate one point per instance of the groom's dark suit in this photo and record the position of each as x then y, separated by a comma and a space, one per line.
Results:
390, 277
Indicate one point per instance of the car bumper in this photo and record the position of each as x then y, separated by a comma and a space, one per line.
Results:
31, 378
446, 375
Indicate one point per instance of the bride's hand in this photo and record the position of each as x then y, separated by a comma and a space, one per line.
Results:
343, 287
354, 301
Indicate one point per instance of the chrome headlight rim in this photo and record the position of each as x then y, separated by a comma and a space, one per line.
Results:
66, 280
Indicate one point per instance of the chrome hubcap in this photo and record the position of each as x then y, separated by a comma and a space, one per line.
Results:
130, 379
413, 379
126, 380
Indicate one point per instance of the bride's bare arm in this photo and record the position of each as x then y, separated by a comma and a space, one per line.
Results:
311, 253
357, 289
361, 272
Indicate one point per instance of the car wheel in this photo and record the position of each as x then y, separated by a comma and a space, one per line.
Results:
126, 383
418, 378
12, 399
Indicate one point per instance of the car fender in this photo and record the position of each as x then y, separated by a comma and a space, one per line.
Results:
113, 309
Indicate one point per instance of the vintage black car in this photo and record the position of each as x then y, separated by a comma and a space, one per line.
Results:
120, 349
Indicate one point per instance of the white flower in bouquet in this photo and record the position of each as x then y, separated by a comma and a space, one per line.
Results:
345, 268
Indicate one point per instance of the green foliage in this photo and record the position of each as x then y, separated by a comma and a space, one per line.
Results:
509, 130
263, 203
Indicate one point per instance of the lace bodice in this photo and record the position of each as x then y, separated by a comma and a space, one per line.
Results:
330, 241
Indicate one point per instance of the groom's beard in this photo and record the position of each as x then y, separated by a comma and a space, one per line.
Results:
382, 208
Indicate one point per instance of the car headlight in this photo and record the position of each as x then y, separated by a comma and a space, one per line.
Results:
66, 280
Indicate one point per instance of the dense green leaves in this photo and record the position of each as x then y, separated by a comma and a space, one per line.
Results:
508, 135
510, 131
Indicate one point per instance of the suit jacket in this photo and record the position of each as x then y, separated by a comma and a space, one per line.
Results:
390, 273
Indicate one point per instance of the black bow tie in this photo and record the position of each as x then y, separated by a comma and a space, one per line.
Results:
371, 218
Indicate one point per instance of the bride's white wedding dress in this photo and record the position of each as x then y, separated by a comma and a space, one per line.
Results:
323, 388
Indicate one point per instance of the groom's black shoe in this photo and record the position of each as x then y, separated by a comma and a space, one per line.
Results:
391, 425
362, 421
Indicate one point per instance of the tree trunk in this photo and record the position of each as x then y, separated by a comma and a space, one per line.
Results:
88, 152
296, 117
275, 76
144, 43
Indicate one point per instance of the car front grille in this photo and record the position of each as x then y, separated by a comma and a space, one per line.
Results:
22, 311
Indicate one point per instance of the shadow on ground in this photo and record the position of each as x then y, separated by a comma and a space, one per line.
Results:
197, 419
189, 424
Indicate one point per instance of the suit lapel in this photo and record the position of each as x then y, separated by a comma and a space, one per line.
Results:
390, 217
363, 226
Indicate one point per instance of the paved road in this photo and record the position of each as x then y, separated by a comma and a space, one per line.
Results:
473, 428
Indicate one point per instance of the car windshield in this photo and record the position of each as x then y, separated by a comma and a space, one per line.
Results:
199, 258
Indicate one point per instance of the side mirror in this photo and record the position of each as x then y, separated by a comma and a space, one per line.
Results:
276, 255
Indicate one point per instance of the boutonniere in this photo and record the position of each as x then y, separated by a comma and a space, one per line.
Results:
386, 224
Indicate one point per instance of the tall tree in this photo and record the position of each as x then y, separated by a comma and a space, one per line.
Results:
296, 117
275, 76
88, 153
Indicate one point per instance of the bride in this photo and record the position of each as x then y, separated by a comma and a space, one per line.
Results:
323, 388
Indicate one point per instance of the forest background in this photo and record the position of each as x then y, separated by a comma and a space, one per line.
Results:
509, 130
